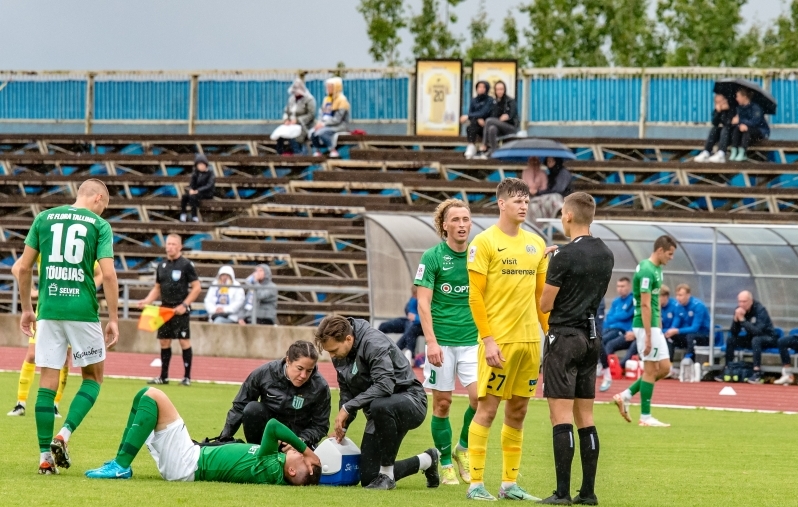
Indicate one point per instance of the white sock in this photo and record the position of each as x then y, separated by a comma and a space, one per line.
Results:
460, 448
44, 456
607, 374
626, 394
65, 434
388, 471
424, 461
507, 485
475, 485
786, 371
645, 417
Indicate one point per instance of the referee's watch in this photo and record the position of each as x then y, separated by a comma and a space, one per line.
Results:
187, 307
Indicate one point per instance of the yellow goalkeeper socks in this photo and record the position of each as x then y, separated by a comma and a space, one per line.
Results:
62, 380
26, 375
512, 442
477, 447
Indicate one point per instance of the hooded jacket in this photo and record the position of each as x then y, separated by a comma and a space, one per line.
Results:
305, 410
559, 180
506, 105
202, 181
752, 117
302, 109
335, 109
263, 298
229, 297
374, 368
757, 322
482, 105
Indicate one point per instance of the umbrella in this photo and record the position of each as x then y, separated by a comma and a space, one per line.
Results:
729, 87
520, 151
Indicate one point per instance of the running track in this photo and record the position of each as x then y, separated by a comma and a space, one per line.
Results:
219, 369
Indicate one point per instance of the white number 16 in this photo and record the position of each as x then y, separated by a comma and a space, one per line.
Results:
73, 249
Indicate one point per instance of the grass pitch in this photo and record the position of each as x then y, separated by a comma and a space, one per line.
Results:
708, 458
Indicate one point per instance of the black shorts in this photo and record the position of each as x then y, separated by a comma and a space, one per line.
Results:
569, 364
176, 328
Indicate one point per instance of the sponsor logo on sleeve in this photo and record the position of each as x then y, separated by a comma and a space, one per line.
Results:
420, 271
645, 283
472, 253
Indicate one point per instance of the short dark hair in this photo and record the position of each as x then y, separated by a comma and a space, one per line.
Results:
511, 187
665, 242
332, 327
302, 348
745, 91
582, 205
624, 279
306, 479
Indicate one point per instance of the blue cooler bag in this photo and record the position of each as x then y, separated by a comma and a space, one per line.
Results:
340, 463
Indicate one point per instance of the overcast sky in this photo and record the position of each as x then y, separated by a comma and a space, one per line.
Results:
209, 34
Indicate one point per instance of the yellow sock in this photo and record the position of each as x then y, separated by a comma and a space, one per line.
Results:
477, 447
62, 379
512, 441
26, 375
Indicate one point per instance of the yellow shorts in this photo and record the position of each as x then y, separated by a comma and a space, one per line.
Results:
519, 375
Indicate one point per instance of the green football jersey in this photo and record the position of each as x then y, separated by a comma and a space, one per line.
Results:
248, 463
648, 278
444, 271
69, 240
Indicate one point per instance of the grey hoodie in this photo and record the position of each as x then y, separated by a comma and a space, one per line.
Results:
264, 296
375, 368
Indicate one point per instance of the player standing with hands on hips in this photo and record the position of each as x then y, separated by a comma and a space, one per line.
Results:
577, 280
70, 240
442, 281
647, 327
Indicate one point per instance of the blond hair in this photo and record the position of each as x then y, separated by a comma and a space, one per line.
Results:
439, 217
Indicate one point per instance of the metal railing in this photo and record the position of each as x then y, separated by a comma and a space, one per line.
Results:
632, 97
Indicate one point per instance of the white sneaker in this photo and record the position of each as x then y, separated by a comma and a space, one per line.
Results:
622, 403
471, 150
702, 157
182, 217
19, 410
719, 157
605, 385
652, 422
786, 379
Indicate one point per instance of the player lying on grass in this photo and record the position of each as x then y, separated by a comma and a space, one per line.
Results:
154, 421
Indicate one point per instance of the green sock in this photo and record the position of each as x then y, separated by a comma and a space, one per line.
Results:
137, 433
132, 416
646, 392
442, 436
469, 415
81, 404
45, 417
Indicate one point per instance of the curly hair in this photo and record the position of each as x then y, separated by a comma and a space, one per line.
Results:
440, 214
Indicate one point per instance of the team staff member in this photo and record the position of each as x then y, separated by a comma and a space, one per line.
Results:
506, 270
690, 327
577, 280
647, 327
290, 390
177, 285
442, 281
375, 377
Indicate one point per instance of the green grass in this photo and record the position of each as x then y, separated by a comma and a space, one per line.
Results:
707, 458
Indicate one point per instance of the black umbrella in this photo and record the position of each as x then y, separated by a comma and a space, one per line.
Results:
520, 151
728, 87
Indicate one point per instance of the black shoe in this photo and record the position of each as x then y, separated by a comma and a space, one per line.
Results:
555, 499
382, 481
756, 378
579, 499
185, 382
158, 381
431, 473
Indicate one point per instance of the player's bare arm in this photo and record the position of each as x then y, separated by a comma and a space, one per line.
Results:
111, 291
434, 353
645, 313
27, 322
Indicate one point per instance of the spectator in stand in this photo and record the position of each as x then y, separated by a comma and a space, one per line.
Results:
409, 326
299, 118
503, 120
753, 319
335, 112
201, 186
720, 133
535, 177
617, 333
559, 178
547, 202
690, 327
261, 300
480, 109
225, 299
785, 344
749, 125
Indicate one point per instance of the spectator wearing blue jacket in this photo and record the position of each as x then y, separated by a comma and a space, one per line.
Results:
409, 326
690, 327
618, 321
753, 319
480, 109
749, 125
